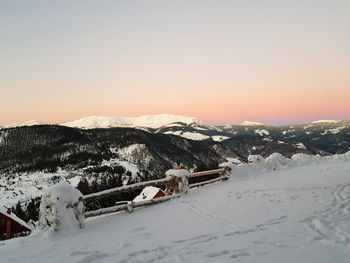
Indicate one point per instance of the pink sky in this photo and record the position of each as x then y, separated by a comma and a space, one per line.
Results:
223, 62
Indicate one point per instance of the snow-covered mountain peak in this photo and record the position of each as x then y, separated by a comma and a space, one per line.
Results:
26, 123
251, 123
149, 121
325, 121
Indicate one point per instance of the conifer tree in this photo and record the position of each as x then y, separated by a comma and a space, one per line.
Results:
83, 186
19, 211
32, 211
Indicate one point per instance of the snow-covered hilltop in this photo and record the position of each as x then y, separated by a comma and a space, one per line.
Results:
20, 124
251, 123
149, 121
325, 121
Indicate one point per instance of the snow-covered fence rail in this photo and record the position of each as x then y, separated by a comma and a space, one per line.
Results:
157, 183
129, 206
220, 171
126, 188
199, 178
207, 177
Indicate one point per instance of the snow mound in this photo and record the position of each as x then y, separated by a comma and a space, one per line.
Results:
61, 208
255, 159
251, 123
278, 161
149, 121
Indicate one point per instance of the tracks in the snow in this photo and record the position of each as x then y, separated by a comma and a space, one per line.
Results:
329, 224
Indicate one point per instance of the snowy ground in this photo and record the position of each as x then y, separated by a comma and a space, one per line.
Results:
299, 213
29, 185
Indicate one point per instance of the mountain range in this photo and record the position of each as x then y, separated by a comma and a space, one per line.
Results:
34, 155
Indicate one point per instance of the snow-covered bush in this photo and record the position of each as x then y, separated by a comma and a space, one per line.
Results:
179, 181
275, 161
61, 207
255, 159
302, 158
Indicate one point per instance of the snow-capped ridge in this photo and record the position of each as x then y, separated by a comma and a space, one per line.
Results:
21, 124
325, 121
149, 121
251, 123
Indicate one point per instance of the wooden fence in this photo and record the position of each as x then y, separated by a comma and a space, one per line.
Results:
198, 179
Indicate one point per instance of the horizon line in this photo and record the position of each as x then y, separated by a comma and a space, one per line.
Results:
238, 123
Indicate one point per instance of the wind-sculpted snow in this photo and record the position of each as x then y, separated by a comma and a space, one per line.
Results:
274, 210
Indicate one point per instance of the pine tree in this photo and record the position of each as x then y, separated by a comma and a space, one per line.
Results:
103, 185
94, 186
19, 211
32, 211
83, 186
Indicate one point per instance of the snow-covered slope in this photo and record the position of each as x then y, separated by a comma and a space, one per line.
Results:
251, 123
150, 121
296, 213
29, 185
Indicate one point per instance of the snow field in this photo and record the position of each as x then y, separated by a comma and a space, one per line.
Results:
297, 211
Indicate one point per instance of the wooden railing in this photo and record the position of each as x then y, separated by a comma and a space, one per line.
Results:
126, 188
220, 171
130, 205
220, 174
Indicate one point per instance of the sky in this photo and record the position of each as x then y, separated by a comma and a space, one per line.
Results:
277, 62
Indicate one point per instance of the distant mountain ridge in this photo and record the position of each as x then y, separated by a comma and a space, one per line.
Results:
20, 124
34, 157
147, 121
251, 123
152, 121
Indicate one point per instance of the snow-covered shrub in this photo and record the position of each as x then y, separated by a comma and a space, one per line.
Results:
275, 161
231, 164
344, 157
179, 181
302, 158
61, 207
255, 159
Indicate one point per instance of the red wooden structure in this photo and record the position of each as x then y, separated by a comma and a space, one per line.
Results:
11, 226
